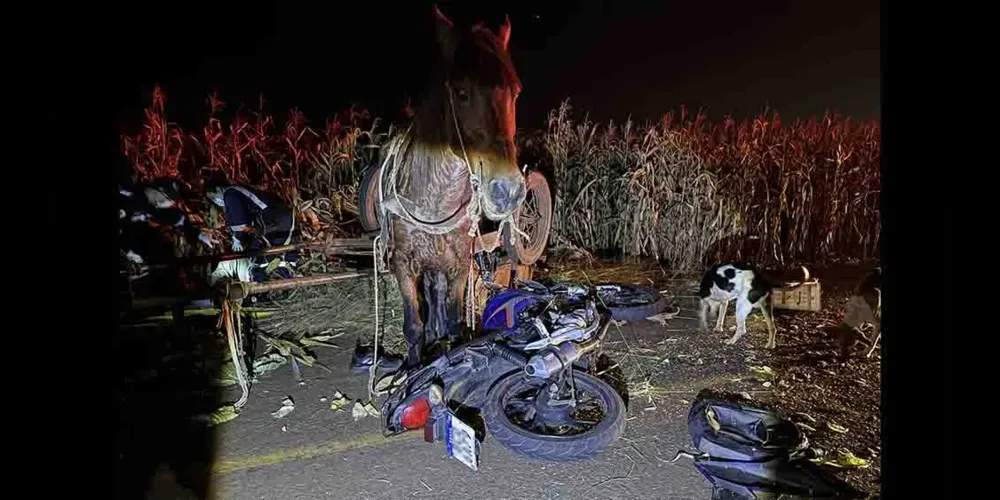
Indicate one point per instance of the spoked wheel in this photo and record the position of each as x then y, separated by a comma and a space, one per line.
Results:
534, 218
631, 302
368, 199
526, 418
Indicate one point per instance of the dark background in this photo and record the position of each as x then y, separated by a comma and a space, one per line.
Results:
112, 63
613, 59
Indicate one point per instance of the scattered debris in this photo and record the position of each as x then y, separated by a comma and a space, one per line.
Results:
663, 317
320, 341
844, 459
805, 416
806, 426
767, 384
287, 406
362, 410
836, 428
220, 416
268, 363
339, 401
383, 384
765, 371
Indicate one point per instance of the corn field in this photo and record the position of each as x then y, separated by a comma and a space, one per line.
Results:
315, 170
685, 191
690, 191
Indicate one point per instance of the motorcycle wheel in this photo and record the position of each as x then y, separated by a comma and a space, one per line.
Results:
526, 437
368, 200
632, 302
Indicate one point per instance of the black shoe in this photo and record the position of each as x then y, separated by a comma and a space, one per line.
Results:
361, 361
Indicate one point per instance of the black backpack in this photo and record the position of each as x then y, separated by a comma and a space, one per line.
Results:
748, 452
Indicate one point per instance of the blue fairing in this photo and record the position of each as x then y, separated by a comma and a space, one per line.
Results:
503, 311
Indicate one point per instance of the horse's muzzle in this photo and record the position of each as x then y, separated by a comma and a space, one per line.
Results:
506, 194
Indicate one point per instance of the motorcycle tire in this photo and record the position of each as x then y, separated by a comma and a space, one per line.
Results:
368, 200
636, 303
555, 448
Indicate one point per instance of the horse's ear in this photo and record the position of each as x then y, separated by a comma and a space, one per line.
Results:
504, 32
445, 32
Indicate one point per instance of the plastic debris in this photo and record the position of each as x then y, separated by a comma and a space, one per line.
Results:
287, 406
362, 410
339, 401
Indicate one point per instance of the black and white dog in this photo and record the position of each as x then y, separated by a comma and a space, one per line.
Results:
748, 286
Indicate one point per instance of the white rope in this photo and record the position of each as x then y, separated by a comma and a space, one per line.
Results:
372, 368
234, 336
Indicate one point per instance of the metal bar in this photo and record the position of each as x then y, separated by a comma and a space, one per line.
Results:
349, 246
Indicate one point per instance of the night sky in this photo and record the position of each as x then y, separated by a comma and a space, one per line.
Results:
612, 59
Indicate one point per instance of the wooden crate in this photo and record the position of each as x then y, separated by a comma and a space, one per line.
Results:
803, 298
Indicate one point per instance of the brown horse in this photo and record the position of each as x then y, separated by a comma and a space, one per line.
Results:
457, 159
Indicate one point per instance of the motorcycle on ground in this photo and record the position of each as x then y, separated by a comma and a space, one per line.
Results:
527, 379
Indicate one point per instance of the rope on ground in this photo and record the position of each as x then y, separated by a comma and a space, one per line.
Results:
234, 336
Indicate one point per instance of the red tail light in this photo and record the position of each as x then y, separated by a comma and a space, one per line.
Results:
415, 415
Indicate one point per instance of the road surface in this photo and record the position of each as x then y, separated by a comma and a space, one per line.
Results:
316, 452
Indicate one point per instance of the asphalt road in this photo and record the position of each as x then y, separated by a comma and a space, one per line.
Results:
316, 452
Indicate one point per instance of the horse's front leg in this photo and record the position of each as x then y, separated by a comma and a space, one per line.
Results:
436, 295
458, 280
413, 324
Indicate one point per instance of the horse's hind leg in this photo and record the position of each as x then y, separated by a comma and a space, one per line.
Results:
413, 324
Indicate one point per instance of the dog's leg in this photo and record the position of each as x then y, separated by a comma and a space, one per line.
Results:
743, 308
720, 321
772, 332
703, 315
878, 336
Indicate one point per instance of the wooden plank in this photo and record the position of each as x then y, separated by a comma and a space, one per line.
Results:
806, 297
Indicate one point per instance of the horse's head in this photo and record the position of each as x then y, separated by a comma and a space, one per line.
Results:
472, 111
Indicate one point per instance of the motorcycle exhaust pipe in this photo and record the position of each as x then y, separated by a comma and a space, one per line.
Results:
555, 359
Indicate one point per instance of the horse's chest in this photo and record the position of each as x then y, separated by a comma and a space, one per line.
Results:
429, 249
